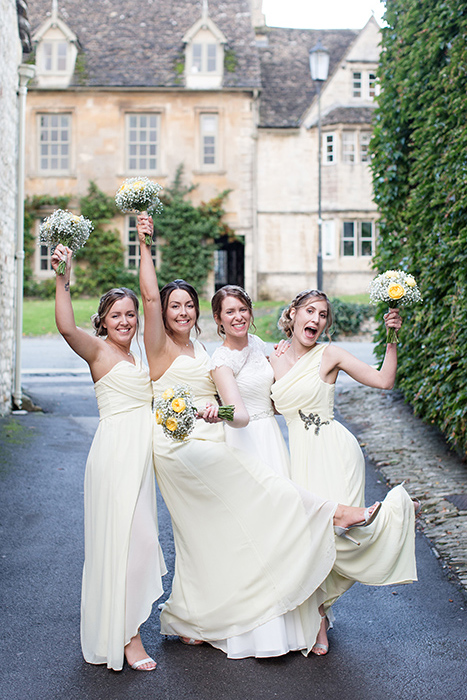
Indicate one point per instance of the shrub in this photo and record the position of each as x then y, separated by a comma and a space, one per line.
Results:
420, 184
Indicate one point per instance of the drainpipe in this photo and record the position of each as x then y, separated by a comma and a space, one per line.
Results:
26, 73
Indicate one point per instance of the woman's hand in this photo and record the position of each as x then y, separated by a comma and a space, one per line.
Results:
145, 228
61, 254
393, 319
281, 347
210, 413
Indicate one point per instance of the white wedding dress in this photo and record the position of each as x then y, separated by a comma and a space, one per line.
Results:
261, 438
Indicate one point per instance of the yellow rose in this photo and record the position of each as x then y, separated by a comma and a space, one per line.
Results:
178, 405
396, 291
76, 219
390, 274
410, 281
168, 394
171, 424
158, 417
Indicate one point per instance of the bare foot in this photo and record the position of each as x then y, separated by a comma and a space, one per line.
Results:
190, 641
135, 652
346, 516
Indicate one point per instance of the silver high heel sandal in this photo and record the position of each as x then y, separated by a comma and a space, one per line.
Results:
368, 519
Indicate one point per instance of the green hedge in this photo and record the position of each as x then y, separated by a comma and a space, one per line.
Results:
419, 169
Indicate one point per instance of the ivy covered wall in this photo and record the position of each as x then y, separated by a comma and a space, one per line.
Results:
420, 182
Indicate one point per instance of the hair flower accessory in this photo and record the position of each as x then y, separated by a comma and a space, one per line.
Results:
395, 288
66, 228
176, 413
138, 194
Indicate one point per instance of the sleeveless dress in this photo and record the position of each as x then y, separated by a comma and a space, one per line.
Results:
254, 375
123, 562
327, 459
250, 545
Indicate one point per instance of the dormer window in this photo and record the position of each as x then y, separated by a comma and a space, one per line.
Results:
204, 55
55, 54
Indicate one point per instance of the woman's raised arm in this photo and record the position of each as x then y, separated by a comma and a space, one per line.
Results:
85, 345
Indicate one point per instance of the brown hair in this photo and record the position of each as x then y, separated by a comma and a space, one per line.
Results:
167, 290
230, 290
106, 302
286, 322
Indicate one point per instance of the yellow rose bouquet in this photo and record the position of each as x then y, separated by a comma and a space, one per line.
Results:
138, 194
176, 413
66, 228
395, 288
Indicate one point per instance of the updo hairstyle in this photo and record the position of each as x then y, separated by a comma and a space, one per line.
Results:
286, 321
230, 290
165, 293
105, 304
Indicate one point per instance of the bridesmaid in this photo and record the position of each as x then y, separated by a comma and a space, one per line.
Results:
243, 377
325, 456
250, 545
123, 563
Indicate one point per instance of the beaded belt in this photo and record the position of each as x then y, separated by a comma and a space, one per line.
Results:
312, 419
262, 414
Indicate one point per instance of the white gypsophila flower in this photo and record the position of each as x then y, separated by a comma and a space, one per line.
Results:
395, 288
66, 228
139, 194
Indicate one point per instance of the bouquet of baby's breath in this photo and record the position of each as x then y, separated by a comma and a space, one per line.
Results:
66, 228
176, 413
395, 288
138, 194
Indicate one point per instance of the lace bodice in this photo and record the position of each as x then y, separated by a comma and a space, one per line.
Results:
253, 373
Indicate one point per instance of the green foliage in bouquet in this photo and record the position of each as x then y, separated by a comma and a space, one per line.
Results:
420, 184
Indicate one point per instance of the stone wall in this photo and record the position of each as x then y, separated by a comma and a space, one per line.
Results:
10, 58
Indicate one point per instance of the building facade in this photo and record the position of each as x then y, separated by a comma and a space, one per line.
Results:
129, 88
14, 39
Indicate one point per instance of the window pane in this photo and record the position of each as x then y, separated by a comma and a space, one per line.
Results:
197, 63
212, 55
348, 147
329, 148
348, 244
55, 142
142, 141
366, 238
357, 84
209, 127
365, 137
62, 50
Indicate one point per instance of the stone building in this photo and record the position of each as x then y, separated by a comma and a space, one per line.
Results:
14, 39
137, 88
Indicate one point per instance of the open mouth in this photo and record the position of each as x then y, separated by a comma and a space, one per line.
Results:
310, 332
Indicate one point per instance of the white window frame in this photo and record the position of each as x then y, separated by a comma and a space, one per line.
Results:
364, 143
55, 57
131, 245
206, 60
357, 84
349, 146
329, 148
358, 238
54, 143
142, 142
209, 141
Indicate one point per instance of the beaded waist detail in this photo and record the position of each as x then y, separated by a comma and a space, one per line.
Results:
262, 414
312, 419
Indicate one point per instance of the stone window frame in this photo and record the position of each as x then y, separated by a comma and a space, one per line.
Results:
137, 170
329, 147
50, 171
355, 239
